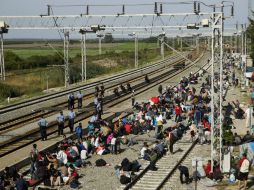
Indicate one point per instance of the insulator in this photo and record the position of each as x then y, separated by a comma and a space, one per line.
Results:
123, 11
232, 11
155, 8
198, 7
195, 7
49, 7
87, 10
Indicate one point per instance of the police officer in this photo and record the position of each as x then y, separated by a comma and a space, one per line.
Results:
43, 125
60, 120
80, 97
71, 116
72, 99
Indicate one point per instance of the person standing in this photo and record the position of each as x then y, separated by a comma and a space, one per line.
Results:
79, 131
72, 101
133, 98
71, 117
99, 108
43, 128
178, 112
160, 89
102, 90
95, 101
80, 98
244, 166
60, 121
171, 142
69, 101
33, 157
97, 90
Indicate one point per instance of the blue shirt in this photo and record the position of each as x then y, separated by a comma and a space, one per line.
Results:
42, 122
60, 119
79, 95
71, 115
78, 130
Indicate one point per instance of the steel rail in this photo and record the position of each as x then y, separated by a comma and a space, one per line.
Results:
28, 118
15, 143
165, 179
75, 89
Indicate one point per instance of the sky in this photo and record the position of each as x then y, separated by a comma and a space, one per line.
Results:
38, 7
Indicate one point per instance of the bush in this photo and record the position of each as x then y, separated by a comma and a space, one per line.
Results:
9, 91
12, 61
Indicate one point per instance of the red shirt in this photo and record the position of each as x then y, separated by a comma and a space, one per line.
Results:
241, 161
207, 169
178, 110
128, 128
207, 125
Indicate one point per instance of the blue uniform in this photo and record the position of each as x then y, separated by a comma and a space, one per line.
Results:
60, 120
71, 116
43, 124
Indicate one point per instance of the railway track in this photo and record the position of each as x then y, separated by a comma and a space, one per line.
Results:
167, 166
20, 141
182, 143
83, 87
46, 112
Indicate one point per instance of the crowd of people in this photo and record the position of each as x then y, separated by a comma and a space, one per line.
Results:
188, 108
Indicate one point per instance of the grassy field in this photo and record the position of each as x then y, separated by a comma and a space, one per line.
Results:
116, 57
28, 50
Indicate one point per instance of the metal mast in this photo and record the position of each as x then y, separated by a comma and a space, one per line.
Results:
2, 67
66, 58
83, 55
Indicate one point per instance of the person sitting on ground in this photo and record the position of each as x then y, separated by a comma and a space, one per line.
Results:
144, 152
72, 173
64, 173
208, 168
247, 137
160, 148
237, 139
21, 184
52, 160
55, 179
184, 171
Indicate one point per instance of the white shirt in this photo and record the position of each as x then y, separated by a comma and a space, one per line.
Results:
113, 141
142, 152
85, 145
245, 166
71, 115
79, 95
62, 157
83, 154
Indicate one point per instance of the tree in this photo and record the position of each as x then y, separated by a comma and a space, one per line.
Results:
250, 33
108, 38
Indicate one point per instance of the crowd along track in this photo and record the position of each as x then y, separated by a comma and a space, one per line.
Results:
16, 122
167, 165
20, 141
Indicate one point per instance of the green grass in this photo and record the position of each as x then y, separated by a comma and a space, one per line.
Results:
92, 49
32, 82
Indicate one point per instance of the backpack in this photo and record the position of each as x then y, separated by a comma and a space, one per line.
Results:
74, 184
126, 164
124, 179
100, 162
